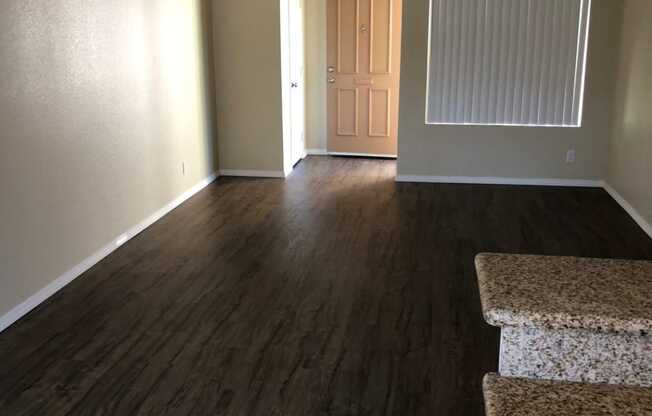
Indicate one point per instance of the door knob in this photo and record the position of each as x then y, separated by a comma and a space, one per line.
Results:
331, 69
331, 80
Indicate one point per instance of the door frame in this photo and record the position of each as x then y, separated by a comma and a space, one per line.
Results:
327, 145
294, 146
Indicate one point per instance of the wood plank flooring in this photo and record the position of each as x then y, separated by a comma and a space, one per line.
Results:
335, 292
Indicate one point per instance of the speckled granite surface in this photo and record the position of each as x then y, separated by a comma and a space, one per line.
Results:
522, 397
576, 355
566, 292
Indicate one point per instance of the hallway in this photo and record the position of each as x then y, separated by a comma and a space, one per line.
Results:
335, 292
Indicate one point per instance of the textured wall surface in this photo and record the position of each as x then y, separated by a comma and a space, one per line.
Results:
521, 152
101, 103
248, 83
630, 159
316, 75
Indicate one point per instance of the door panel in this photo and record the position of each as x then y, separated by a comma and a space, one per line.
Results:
347, 106
379, 112
363, 76
348, 41
380, 37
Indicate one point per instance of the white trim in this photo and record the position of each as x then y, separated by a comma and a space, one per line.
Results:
286, 110
361, 154
580, 111
576, 62
428, 56
253, 173
324, 152
36, 299
488, 180
563, 126
636, 216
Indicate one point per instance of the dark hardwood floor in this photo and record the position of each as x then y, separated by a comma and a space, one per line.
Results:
336, 292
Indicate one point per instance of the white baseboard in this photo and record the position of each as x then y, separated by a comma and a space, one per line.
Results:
636, 216
587, 183
33, 301
487, 180
57, 284
324, 152
253, 173
361, 155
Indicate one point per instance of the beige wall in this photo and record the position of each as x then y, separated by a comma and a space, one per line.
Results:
316, 85
520, 152
101, 102
630, 161
248, 83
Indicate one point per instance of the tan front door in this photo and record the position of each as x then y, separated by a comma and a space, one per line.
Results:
364, 54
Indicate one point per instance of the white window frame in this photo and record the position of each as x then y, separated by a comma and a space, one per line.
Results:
582, 81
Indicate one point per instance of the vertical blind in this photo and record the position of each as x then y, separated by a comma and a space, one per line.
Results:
507, 62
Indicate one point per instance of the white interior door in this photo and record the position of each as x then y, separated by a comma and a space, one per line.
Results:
297, 85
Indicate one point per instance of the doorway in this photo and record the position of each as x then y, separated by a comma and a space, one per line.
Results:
363, 75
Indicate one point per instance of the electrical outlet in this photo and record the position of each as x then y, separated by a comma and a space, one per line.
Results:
570, 156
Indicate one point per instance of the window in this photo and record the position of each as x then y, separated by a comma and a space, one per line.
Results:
507, 62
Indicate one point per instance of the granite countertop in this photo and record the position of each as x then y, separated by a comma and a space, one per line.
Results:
506, 396
566, 292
